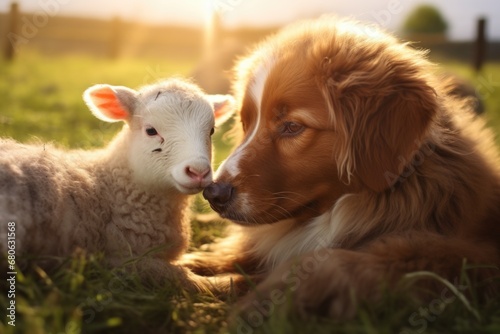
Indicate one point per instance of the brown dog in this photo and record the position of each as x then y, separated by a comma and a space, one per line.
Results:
355, 168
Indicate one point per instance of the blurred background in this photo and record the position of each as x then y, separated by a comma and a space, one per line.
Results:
52, 50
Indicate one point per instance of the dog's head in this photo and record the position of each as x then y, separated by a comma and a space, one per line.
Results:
327, 107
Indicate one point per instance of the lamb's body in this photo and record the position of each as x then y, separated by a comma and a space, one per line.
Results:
122, 200
61, 200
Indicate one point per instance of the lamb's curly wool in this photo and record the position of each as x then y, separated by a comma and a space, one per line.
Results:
122, 200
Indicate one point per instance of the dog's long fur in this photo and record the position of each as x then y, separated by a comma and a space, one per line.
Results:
389, 173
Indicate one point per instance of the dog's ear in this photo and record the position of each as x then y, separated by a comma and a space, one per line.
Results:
381, 118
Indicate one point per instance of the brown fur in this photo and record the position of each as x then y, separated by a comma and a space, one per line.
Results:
390, 175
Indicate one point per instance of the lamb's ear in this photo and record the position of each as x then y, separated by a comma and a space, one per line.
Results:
110, 103
224, 107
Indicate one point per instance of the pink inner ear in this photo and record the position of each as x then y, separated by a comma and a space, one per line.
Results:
104, 93
220, 112
223, 111
113, 110
106, 101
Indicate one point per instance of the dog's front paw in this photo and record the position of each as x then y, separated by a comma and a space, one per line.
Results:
199, 263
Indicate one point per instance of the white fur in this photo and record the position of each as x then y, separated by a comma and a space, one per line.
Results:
122, 200
282, 241
231, 165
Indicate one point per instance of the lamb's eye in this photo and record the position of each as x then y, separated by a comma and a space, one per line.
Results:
212, 131
291, 128
151, 131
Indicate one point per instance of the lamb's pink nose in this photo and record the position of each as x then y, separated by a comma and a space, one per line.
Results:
196, 174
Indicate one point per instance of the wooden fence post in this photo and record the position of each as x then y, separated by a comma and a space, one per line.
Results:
12, 29
480, 45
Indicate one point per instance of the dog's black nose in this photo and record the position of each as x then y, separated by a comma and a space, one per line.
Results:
218, 194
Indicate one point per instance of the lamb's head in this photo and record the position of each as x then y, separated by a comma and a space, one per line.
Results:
168, 130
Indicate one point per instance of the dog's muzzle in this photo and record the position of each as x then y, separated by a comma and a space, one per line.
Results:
219, 195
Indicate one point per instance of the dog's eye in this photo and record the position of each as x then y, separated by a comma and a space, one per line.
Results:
212, 131
151, 131
291, 128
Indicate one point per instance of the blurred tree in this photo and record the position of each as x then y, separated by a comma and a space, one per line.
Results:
425, 19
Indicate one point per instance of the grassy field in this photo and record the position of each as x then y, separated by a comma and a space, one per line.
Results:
41, 98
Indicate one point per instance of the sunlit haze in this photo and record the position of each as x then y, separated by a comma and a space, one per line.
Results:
460, 14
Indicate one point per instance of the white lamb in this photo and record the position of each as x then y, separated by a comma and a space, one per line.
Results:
124, 199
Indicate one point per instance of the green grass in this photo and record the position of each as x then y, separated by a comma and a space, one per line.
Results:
40, 97
487, 85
